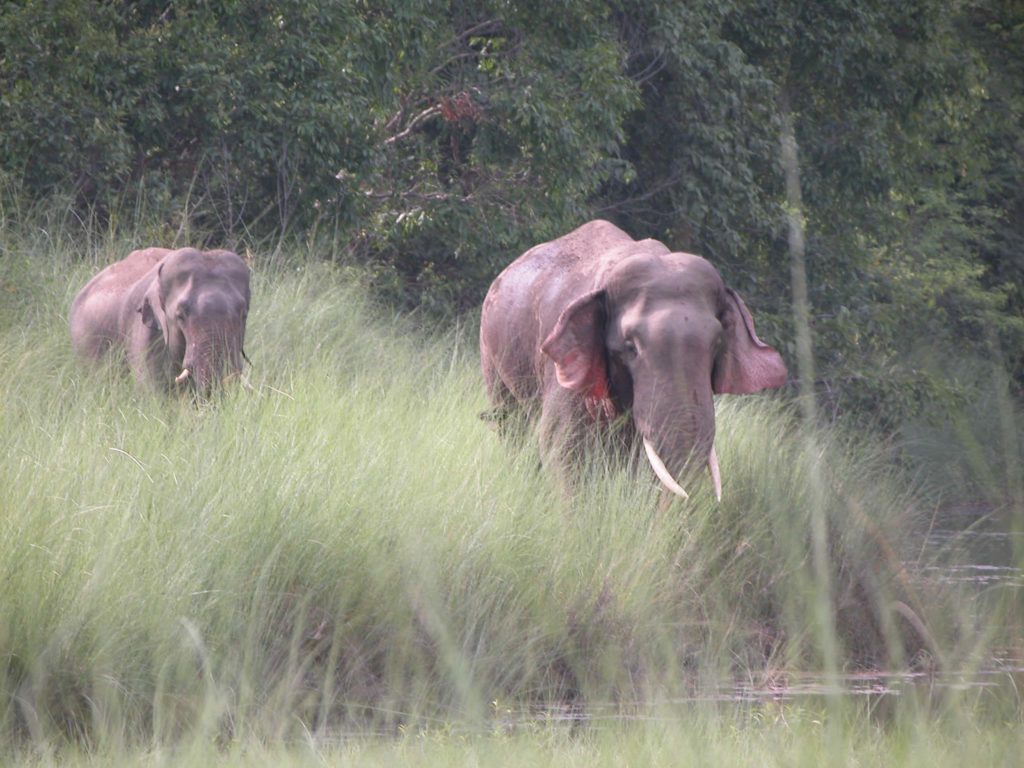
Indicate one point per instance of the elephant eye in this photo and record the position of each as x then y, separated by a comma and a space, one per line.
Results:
630, 346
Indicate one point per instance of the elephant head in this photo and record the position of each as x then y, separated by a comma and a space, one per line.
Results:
658, 336
199, 302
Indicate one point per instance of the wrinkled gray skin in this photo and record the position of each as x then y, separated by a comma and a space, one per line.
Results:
595, 324
168, 311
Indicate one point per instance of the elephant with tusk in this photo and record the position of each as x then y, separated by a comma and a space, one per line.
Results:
596, 324
178, 316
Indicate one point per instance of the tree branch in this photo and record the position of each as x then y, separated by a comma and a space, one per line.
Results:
415, 123
661, 187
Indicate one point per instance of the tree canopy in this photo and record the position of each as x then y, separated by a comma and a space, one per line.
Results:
435, 141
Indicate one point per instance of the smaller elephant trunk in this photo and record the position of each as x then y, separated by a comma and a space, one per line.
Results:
208, 361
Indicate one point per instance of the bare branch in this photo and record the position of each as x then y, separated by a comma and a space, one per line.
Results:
491, 25
415, 123
658, 188
650, 70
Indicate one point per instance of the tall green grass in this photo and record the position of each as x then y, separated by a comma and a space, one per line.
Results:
350, 549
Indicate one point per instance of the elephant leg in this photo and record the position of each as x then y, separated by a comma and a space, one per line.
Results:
146, 353
562, 436
508, 415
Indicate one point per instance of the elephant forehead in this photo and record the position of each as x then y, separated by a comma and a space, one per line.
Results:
215, 298
207, 292
683, 326
203, 265
182, 260
671, 277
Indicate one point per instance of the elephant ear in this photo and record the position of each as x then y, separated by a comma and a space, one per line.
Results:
745, 364
151, 309
576, 345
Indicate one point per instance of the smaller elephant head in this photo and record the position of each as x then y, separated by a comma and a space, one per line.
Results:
199, 303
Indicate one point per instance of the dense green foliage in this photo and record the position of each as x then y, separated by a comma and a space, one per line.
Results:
437, 138
908, 122
435, 141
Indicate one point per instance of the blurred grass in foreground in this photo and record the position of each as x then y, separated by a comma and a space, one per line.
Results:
351, 550
776, 736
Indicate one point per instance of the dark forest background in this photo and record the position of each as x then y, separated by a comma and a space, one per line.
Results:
432, 142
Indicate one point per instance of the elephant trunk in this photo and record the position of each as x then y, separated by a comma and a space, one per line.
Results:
678, 436
208, 361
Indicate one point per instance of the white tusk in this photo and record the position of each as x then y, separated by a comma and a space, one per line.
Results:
185, 373
662, 472
716, 473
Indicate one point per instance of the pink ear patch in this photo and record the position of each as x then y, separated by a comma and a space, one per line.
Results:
590, 381
600, 409
571, 370
746, 364
599, 388
575, 347
583, 373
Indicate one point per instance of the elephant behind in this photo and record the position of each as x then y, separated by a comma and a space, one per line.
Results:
596, 324
178, 316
